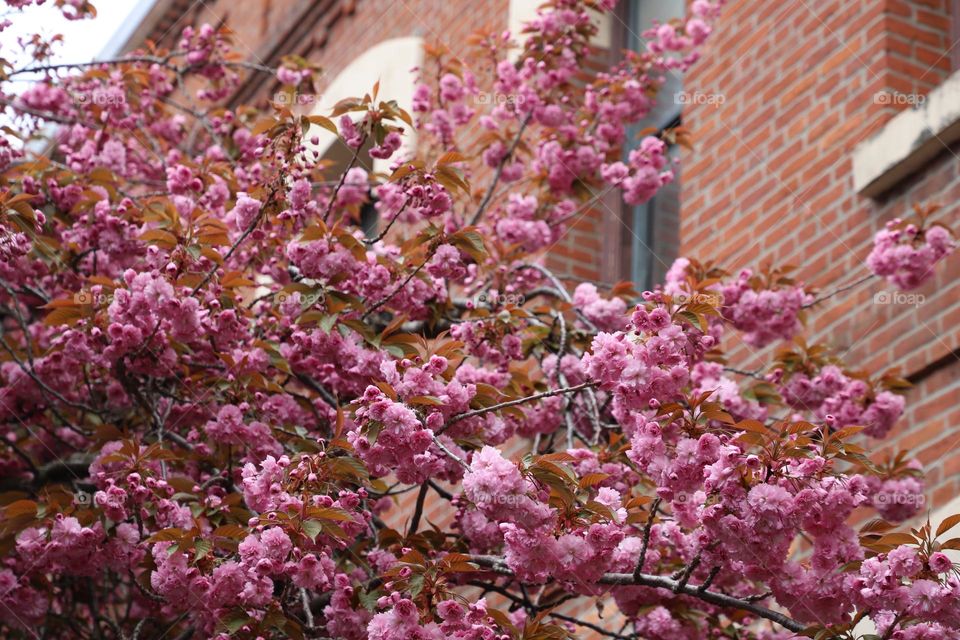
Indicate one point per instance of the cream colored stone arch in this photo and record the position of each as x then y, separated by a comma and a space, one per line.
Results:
392, 63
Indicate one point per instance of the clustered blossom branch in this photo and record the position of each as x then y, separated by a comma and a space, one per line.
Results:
675, 586
231, 409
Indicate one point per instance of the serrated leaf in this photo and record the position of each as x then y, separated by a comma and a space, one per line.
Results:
312, 528
20, 508
160, 238
897, 539
233, 531
201, 549
324, 122
592, 479
948, 523
166, 535
63, 315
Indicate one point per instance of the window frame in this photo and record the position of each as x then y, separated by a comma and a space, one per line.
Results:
620, 242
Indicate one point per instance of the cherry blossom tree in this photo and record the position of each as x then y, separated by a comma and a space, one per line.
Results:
227, 406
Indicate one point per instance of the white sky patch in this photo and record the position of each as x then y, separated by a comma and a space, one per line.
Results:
83, 40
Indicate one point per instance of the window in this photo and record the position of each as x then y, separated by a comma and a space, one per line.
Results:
653, 238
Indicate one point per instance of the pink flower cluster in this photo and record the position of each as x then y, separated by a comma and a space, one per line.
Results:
229, 428
648, 366
516, 506
401, 621
898, 498
605, 314
644, 173
207, 50
764, 315
446, 109
253, 389
521, 225
414, 199
905, 255
843, 400
149, 305
392, 438
709, 377
447, 263
895, 582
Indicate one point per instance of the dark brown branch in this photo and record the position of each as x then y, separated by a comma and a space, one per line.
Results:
662, 582
513, 403
588, 625
684, 576
710, 577
496, 176
443, 493
315, 386
638, 571
58, 471
418, 510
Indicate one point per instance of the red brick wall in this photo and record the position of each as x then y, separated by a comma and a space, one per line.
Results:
331, 32
771, 179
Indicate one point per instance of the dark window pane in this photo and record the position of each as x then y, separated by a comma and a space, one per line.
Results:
654, 227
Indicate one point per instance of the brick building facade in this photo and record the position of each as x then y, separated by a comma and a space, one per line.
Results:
830, 127
814, 124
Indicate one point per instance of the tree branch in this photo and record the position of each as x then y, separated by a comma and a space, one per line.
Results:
589, 625
646, 537
838, 291
496, 176
662, 582
418, 510
512, 403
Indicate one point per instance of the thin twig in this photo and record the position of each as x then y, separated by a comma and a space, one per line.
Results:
646, 536
399, 288
306, 606
588, 625
750, 374
386, 229
451, 454
33, 376
512, 403
165, 61
838, 291
343, 177
496, 176
230, 252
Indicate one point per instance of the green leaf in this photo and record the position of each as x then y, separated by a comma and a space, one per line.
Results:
202, 548
415, 585
312, 528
